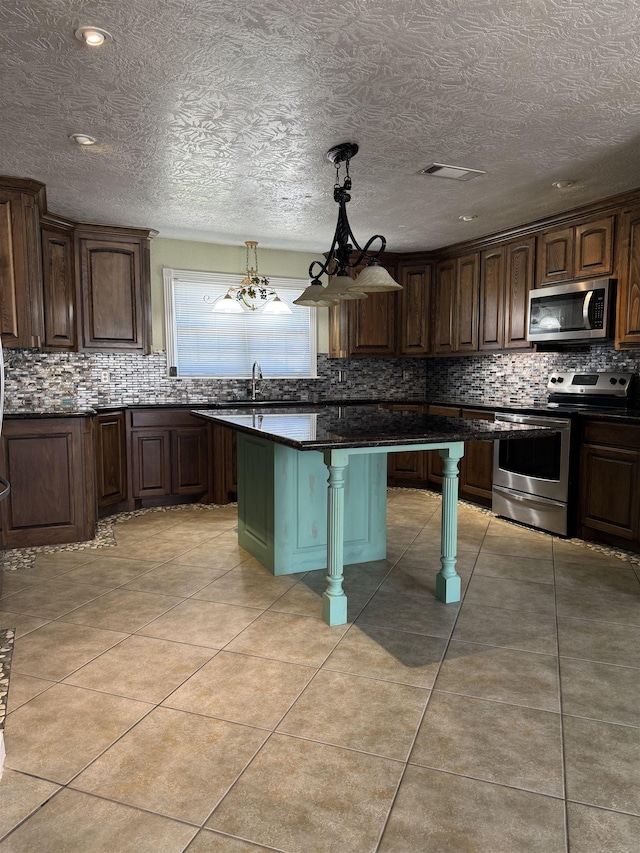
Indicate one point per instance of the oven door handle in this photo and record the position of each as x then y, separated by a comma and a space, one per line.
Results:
526, 501
561, 423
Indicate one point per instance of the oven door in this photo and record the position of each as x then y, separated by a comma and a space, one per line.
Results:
534, 466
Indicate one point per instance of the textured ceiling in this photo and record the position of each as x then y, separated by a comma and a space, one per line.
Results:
213, 118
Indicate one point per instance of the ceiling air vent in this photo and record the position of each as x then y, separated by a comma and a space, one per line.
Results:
457, 173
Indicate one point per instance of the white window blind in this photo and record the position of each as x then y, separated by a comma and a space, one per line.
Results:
201, 343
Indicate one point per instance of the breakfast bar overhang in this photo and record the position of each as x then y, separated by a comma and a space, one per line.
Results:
291, 522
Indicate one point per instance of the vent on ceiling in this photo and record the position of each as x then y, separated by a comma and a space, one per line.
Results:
457, 173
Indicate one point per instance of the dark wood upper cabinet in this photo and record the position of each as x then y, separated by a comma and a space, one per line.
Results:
114, 289
58, 288
519, 264
21, 323
584, 250
415, 309
628, 300
492, 278
594, 248
555, 256
466, 314
365, 327
445, 298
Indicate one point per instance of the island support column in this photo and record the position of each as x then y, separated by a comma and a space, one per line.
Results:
334, 601
447, 579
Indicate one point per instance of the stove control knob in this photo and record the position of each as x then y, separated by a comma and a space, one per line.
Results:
613, 380
622, 381
554, 380
560, 378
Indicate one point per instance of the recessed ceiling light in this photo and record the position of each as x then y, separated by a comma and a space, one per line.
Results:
92, 36
82, 139
562, 185
467, 217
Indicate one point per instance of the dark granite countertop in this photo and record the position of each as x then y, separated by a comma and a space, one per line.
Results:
350, 426
629, 415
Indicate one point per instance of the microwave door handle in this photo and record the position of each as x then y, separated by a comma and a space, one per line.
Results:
586, 313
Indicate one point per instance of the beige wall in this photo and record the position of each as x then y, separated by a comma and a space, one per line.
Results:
213, 257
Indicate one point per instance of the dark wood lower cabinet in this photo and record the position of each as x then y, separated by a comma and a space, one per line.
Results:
476, 467
110, 454
609, 509
48, 463
222, 449
169, 458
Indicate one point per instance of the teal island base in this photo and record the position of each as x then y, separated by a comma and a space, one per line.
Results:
292, 519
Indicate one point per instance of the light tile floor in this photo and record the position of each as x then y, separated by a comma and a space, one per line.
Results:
168, 694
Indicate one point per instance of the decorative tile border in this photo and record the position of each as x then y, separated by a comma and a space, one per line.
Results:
7, 636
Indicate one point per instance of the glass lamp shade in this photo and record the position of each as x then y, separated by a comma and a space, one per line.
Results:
227, 304
315, 296
339, 286
276, 306
374, 279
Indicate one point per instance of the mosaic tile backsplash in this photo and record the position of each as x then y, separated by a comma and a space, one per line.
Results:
520, 378
44, 382
51, 382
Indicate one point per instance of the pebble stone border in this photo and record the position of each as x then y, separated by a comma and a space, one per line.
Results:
23, 558
7, 636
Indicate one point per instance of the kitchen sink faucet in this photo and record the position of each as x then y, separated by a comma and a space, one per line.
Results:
256, 375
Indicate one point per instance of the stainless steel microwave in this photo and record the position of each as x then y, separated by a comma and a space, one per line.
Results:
576, 311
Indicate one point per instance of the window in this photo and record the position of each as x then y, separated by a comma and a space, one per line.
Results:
201, 343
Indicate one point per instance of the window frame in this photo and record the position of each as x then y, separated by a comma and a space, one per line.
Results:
171, 275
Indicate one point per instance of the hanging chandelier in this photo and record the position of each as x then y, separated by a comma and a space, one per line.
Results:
341, 256
254, 293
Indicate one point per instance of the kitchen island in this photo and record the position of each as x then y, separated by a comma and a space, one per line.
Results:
283, 457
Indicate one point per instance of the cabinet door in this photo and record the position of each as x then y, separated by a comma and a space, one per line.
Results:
20, 270
628, 299
409, 468
110, 459
491, 335
466, 304
51, 500
151, 462
476, 469
594, 248
114, 301
444, 340
365, 327
222, 452
190, 461
520, 255
372, 324
555, 256
58, 293
610, 490
414, 310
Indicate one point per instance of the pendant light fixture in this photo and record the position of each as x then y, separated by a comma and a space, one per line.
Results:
341, 256
254, 293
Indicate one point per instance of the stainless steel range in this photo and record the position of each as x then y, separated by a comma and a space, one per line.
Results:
533, 478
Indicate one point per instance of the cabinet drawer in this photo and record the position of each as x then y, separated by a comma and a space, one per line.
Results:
478, 415
445, 411
606, 432
164, 418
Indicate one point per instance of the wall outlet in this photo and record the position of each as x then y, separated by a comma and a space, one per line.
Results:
342, 376
406, 375
104, 376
